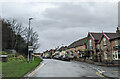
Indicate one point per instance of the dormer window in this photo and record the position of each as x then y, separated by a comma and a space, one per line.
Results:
104, 41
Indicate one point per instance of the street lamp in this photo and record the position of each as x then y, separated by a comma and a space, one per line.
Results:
28, 38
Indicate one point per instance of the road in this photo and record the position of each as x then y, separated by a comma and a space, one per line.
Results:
58, 68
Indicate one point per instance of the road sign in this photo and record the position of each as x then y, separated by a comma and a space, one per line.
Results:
30, 48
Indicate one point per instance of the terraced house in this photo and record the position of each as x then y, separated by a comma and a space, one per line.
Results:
80, 47
77, 48
110, 47
71, 51
62, 50
92, 45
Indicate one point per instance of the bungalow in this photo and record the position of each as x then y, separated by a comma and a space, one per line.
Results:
92, 43
110, 47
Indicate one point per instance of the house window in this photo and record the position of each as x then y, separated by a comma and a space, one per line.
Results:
74, 48
90, 42
119, 55
83, 46
105, 56
71, 53
116, 43
98, 46
116, 55
78, 52
104, 41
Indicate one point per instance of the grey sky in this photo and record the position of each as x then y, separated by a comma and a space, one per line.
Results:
63, 23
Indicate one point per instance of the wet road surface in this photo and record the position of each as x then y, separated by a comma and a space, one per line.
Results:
58, 68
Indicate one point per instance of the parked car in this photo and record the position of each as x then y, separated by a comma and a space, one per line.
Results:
60, 57
65, 58
56, 57
46, 57
71, 58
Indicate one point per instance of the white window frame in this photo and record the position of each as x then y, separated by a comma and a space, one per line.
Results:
105, 56
90, 41
115, 55
78, 52
98, 46
104, 41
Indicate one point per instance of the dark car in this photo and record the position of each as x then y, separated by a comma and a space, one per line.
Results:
65, 58
60, 57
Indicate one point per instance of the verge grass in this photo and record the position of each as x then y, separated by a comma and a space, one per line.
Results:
18, 69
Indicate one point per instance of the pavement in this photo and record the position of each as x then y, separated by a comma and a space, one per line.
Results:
58, 68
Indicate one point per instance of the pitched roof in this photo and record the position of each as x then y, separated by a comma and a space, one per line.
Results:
63, 48
96, 36
78, 43
112, 35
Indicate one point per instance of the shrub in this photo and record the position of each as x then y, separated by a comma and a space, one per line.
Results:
3, 53
20, 57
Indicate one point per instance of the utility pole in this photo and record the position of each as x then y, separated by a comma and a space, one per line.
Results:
28, 39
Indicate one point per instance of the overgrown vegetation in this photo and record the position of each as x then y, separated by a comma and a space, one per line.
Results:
15, 36
3, 53
15, 44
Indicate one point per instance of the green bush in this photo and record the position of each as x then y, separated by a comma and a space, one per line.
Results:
4, 53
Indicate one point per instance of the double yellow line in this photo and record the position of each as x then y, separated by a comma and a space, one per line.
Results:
99, 73
31, 74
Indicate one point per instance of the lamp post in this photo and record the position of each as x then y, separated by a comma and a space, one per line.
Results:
28, 38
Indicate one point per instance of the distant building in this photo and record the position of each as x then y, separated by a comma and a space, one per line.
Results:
38, 54
62, 50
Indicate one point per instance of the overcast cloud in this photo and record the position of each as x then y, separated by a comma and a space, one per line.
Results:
63, 23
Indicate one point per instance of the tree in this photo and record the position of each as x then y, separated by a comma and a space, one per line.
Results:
15, 36
33, 38
17, 29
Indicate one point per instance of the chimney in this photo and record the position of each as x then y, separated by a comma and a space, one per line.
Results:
118, 31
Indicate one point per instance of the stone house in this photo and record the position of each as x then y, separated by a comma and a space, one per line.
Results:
92, 45
109, 46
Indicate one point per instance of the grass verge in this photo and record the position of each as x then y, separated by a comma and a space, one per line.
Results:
18, 69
